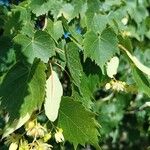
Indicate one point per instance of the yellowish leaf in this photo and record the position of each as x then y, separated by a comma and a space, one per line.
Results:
138, 64
54, 91
112, 67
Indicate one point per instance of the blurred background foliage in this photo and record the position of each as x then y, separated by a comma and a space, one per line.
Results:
124, 117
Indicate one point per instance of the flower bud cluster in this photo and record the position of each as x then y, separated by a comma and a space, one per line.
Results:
40, 134
116, 85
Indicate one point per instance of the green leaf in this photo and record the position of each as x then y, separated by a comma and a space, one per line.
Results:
85, 93
77, 36
23, 13
91, 9
78, 7
141, 80
100, 48
18, 17
41, 7
22, 92
72, 10
87, 87
111, 113
138, 13
55, 29
77, 123
7, 54
90, 81
28, 29
93, 6
67, 11
40, 46
73, 63
99, 23
54, 92
137, 63
126, 42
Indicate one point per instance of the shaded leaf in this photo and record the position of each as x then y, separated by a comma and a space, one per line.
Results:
111, 113
87, 88
90, 80
17, 18
141, 80
73, 63
22, 92
7, 54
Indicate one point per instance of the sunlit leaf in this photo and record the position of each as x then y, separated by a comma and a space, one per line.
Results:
137, 63
78, 129
112, 67
54, 91
40, 45
100, 48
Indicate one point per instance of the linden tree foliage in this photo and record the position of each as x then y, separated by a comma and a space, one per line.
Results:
48, 45
100, 48
69, 119
20, 82
40, 45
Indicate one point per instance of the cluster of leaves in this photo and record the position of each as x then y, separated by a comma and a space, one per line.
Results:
77, 39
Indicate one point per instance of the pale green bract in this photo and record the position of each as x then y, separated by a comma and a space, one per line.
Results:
138, 64
112, 67
54, 91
